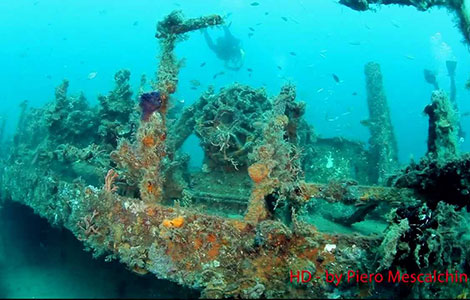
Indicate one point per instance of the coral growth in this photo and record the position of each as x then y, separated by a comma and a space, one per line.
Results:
228, 123
258, 172
70, 119
383, 145
443, 120
117, 115
173, 223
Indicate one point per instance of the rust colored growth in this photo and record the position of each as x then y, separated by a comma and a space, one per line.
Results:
257, 210
198, 242
372, 194
319, 257
267, 267
214, 251
174, 223
151, 211
211, 238
151, 187
335, 191
170, 88
265, 152
239, 225
148, 141
176, 251
308, 191
109, 180
258, 172
87, 225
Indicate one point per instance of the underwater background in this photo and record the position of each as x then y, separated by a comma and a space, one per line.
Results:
305, 42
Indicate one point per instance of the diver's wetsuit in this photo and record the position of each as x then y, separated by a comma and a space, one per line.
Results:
227, 48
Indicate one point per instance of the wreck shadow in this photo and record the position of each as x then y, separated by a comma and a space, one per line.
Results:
57, 266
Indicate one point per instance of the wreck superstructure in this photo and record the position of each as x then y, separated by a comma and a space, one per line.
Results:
117, 179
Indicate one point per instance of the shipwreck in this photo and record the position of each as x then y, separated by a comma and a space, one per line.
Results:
115, 176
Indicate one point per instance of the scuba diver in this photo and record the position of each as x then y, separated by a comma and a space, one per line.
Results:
430, 78
227, 48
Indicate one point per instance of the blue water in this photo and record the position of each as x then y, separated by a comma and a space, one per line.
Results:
46, 41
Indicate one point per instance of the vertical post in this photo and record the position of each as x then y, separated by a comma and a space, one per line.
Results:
442, 135
145, 157
383, 145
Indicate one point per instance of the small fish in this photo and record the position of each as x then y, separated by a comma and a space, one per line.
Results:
335, 77
218, 74
254, 3
284, 18
394, 23
250, 34
251, 28
322, 55
92, 75
466, 114
410, 57
467, 85
294, 20
135, 23
202, 64
249, 69
181, 101
293, 53
195, 83
194, 87
320, 90
332, 119
279, 67
266, 13
354, 93
346, 113
355, 43
49, 77
257, 24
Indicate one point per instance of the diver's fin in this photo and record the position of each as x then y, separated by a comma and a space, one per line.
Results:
451, 65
